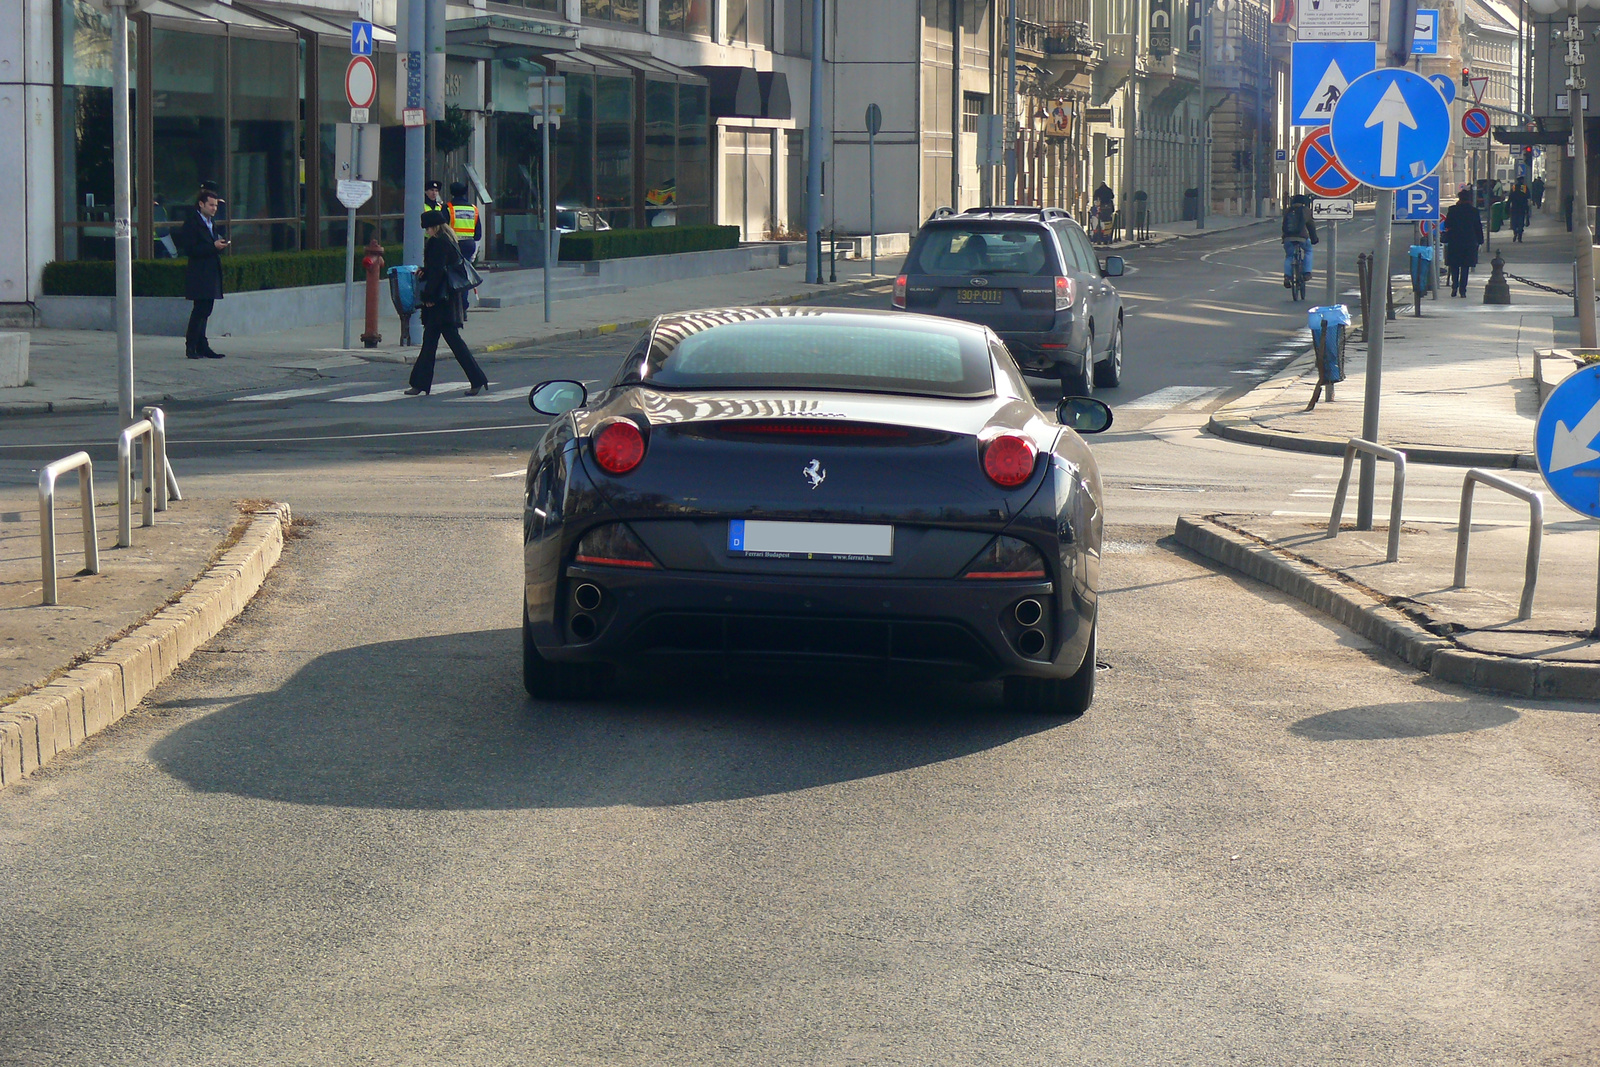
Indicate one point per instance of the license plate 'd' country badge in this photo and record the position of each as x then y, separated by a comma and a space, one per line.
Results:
764, 539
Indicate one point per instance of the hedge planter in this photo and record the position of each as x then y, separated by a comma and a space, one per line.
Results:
240, 274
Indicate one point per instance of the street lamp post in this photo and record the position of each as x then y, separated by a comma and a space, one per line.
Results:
1582, 237
122, 208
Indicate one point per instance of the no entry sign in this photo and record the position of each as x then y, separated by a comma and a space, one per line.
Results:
361, 82
1319, 169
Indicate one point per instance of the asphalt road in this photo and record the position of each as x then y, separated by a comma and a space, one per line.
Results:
342, 834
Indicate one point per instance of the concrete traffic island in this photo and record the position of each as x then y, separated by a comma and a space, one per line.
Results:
72, 670
1469, 635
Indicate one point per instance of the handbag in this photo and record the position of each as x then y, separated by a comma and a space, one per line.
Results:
462, 275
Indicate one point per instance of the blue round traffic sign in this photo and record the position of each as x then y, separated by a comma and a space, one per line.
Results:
1474, 122
1446, 86
1564, 441
1391, 128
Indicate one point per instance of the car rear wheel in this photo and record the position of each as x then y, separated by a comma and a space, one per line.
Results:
1057, 696
1079, 381
548, 680
1108, 372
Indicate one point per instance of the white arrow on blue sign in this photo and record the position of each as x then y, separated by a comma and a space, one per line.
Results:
1446, 86
1425, 42
1391, 128
1419, 202
1321, 73
361, 38
1564, 441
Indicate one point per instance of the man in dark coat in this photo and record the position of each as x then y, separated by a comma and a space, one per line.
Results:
1520, 202
1538, 192
200, 241
1463, 233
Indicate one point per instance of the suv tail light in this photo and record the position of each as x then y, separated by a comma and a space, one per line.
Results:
619, 446
1007, 558
1008, 460
613, 545
1066, 293
900, 291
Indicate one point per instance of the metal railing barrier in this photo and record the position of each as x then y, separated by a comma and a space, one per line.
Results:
1354, 445
143, 429
167, 487
78, 461
1530, 577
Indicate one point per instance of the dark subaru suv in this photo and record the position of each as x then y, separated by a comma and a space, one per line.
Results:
1031, 276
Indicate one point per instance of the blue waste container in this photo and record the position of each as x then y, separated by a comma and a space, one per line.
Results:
403, 288
1337, 319
1422, 268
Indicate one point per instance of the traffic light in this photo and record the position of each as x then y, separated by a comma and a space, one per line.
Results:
1113, 145
1466, 77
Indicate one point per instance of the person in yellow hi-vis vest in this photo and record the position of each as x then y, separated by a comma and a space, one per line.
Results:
464, 220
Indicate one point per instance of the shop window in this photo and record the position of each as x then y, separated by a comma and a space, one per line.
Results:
686, 16
536, 5
629, 11
613, 150
264, 75
188, 112
694, 156
660, 151
571, 147
85, 125
749, 22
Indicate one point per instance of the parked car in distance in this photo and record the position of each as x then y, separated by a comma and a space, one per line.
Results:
815, 489
1030, 275
579, 220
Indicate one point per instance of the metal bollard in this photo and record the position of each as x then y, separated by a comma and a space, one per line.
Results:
141, 429
166, 485
80, 462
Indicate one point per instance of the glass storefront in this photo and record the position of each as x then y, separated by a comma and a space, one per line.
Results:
85, 125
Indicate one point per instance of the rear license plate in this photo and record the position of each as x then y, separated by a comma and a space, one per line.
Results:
979, 296
810, 540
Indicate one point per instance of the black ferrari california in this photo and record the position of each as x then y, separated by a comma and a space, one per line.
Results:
814, 486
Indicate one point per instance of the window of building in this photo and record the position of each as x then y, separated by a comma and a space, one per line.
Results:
571, 148
85, 125
629, 11
694, 155
188, 117
973, 107
749, 22
613, 150
264, 78
686, 16
659, 165
797, 26
536, 5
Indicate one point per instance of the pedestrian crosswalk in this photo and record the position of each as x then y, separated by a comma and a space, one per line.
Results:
1432, 495
1188, 397
363, 393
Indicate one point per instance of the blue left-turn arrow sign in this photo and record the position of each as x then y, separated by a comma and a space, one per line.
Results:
1391, 128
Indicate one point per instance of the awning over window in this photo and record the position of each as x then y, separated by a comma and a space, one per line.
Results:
508, 37
745, 93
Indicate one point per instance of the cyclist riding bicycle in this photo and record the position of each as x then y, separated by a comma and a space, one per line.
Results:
1298, 231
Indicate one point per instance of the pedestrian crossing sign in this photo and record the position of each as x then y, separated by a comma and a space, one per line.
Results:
1321, 73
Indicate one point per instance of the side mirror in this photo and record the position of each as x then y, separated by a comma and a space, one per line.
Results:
558, 397
1083, 414
1113, 267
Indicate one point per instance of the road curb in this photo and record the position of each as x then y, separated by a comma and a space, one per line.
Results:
57, 717
1233, 422
583, 333
1367, 614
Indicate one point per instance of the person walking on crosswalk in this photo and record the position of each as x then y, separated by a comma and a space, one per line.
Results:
443, 307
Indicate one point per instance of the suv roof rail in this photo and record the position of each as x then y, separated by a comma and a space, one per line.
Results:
1019, 209
943, 212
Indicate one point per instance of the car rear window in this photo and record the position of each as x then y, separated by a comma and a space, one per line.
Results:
852, 353
958, 250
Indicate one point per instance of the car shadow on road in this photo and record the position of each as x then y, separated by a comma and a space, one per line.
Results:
443, 723
1411, 718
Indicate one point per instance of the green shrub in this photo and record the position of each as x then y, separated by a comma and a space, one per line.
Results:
654, 241
240, 274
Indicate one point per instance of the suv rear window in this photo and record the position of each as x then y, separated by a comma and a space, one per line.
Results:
852, 353
956, 250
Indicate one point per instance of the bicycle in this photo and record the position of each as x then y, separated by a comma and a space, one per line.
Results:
1297, 277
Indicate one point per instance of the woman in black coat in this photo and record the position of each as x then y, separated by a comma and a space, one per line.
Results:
444, 309
1463, 233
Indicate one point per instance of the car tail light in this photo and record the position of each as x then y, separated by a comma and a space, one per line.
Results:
619, 446
900, 291
1007, 558
613, 545
1066, 293
1008, 460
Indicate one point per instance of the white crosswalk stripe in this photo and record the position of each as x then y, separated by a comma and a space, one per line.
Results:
1173, 396
396, 394
288, 394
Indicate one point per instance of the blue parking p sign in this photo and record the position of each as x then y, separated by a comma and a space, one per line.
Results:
1419, 202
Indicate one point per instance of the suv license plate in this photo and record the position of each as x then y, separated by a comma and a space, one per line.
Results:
979, 296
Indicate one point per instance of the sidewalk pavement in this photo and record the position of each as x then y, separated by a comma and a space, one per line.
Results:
1165, 232
75, 370
1459, 388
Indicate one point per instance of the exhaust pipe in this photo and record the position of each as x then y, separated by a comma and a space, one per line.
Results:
583, 627
587, 596
1030, 643
1028, 612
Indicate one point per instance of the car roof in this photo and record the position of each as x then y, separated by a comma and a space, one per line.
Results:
1005, 213
688, 322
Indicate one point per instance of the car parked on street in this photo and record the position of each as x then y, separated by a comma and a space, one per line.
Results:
816, 487
1030, 275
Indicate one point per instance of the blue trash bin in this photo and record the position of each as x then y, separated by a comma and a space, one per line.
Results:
403, 288
1422, 269
1337, 318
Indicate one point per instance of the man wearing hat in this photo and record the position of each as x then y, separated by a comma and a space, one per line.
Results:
202, 283
464, 221
433, 198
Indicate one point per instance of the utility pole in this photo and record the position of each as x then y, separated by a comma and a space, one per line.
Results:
1582, 237
414, 21
122, 209
814, 153
1203, 155
1011, 104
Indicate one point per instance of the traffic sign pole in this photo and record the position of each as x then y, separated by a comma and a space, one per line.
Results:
1333, 265
1374, 392
1582, 238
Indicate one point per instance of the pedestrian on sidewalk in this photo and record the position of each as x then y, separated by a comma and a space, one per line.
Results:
1105, 204
1520, 204
202, 279
433, 197
1566, 206
443, 308
1298, 232
1463, 233
1537, 191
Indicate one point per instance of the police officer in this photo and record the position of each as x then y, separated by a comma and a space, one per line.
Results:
432, 198
465, 222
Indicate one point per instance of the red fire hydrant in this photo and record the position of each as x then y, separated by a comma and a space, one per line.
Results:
373, 261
